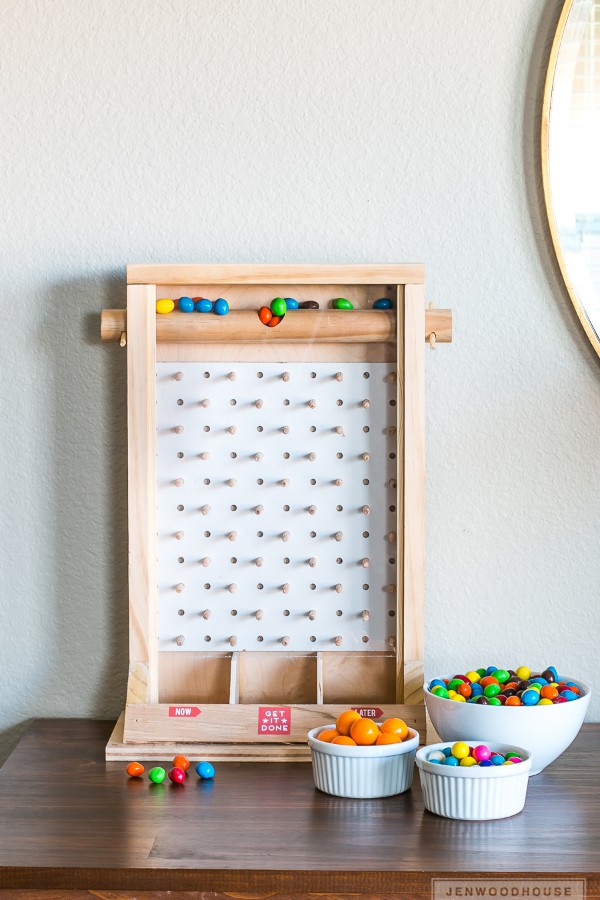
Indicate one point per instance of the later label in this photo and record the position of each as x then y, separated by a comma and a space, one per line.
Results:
183, 712
274, 719
368, 712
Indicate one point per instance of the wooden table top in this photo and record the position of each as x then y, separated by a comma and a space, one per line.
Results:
71, 821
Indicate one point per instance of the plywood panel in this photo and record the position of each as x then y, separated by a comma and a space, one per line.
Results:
193, 677
355, 679
193, 273
278, 678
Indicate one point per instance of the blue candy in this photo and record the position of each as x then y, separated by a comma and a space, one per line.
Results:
437, 682
221, 307
434, 762
186, 304
447, 751
497, 760
205, 770
476, 690
491, 669
530, 697
291, 303
568, 695
383, 303
486, 762
450, 761
540, 680
203, 305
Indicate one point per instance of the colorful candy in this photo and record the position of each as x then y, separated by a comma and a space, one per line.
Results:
185, 304
461, 754
278, 307
135, 769
308, 304
202, 305
176, 775
382, 303
265, 315
221, 307
164, 306
342, 303
205, 770
506, 687
157, 775
291, 303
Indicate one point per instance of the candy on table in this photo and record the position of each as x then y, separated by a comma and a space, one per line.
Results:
383, 303
221, 307
205, 770
342, 303
157, 775
164, 306
135, 769
493, 686
202, 305
176, 775
185, 304
181, 762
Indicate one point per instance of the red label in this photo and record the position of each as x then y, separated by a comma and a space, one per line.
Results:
183, 712
368, 712
274, 719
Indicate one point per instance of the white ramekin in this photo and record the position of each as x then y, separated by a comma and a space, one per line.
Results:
362, 772
489, 792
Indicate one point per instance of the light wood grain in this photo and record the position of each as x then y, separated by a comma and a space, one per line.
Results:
186, 273
278, 678
364, 679
141, 423
193, 677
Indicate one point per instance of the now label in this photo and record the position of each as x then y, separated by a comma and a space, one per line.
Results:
183, 712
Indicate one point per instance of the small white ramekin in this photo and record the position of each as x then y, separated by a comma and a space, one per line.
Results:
458, 792
362, 772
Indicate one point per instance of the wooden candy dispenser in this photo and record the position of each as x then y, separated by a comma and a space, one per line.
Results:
276, 508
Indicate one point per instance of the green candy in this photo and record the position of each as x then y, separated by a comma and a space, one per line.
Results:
493, 701
342, 303
511, 755
455, 683
157, 775
278, 306
492, 690
481, 672
439, 691
501, 675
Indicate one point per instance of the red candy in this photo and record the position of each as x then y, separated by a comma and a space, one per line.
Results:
177, 775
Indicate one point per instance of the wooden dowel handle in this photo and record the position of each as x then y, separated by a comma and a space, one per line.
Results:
363, 326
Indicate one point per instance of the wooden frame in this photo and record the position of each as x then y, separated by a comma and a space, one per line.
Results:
158, 687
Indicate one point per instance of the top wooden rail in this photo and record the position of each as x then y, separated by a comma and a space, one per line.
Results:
176, 274
319, 326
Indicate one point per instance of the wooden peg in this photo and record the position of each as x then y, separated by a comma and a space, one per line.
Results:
205, 614
338, 482
365, 510
391, 429
259, 509
312, 404
285, 536
259, 404
232, 588
180, 588
365, 457
312, 562
178, 429
232, 429
338, 588
232, 640
285, 376
232, 376
285, 482
365, 615
312, 510
339, 376
205, 509
391, 588
285, 640
258, 614
178, 482
339, 430
312, 614
365, 404
178, 376
391, 536
365, 562
178, 535
393, 483
432, 339
392, 642
204, 455
392, 377
338, 641
205, 561
312, 456
285, 588
258, 561
286, 429
123, 339
231, 482
180, 640
205, 403
232, 535
338, 536
258, 456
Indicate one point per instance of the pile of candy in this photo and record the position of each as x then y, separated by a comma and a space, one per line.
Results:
189, 304
353, 730
177, 774
272, 316
461, 754
506, 687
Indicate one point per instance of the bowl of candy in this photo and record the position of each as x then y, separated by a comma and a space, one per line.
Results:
485, 781
540, 711
361, 758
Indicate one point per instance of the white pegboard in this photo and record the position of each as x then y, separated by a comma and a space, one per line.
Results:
259, 424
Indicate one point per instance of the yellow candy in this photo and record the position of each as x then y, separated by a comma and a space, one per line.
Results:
523, 673
452, 694
458, 698
165, 306
508, 762
468, 761
535, 687
473, 677
460, 750
544, 702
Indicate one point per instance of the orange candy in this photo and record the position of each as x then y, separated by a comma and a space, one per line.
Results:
395, 726
274, 320
388, 738
265, 315
549, 693
181, 762
134, 769
345, 720
489, 679
513, 700
364, 732
329, 735
344, 739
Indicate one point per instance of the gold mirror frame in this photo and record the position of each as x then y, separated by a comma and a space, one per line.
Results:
545, 137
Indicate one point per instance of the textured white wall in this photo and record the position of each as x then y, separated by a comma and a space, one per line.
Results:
315, 130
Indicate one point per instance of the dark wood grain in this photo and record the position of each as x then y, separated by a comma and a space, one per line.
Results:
69, 821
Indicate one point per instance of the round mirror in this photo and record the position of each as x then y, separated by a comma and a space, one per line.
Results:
571, 156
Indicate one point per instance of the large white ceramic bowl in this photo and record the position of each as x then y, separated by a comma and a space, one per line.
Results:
546, 731
475, 793
363, 772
